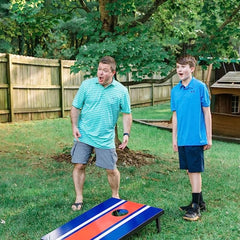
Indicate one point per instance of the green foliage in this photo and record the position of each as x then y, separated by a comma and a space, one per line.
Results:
133, 54
146, 38
220, 29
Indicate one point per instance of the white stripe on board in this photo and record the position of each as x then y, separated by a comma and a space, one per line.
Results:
89, 220
121, 223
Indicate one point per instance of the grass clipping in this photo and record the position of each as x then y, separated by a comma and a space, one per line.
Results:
126, 157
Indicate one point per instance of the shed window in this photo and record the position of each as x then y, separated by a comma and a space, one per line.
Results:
235, 104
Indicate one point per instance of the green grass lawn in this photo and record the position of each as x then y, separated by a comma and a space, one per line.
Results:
36, 192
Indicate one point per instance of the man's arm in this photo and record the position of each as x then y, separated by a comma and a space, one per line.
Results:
127, 123
74, 120
174, 132
208, 124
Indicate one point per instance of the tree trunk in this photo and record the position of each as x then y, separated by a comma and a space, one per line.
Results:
117, 141
108, 21
108, 24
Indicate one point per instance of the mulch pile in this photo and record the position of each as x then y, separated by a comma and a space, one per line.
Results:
126, 157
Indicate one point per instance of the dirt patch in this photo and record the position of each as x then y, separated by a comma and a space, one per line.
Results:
126, 157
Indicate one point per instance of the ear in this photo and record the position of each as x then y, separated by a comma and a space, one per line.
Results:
192, 69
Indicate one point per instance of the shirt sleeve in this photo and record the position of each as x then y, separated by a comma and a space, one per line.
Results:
172, 102
205, 99
125, 103
78, 100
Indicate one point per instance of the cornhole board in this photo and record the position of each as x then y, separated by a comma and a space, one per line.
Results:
112, 219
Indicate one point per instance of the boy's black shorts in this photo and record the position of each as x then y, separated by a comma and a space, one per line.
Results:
191, 158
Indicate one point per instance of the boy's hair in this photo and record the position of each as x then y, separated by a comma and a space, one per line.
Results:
187, 59
110, 61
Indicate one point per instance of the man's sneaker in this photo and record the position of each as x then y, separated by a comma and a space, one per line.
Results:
193, 213
186, 208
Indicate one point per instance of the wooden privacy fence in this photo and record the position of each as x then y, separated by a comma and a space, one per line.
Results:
35, 88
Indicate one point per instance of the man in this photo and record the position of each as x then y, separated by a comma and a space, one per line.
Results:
192, 130
94, 115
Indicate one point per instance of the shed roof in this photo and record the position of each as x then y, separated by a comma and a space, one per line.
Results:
228, 84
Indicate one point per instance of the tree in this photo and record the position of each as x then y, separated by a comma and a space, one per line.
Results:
145, 36
149, 35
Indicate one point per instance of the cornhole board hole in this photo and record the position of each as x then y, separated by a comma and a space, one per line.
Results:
112, 219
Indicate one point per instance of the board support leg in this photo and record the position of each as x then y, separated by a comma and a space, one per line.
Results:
158, 225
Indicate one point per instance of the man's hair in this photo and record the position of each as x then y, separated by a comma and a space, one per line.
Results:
187, 59
110, 61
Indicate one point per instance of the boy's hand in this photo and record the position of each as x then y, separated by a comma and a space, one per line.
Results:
206, 147
175, 148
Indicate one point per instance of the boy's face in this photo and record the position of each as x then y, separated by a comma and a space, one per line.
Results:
105, 74
184, 72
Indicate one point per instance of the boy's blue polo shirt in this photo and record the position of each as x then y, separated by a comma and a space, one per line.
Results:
100, 108
188, 102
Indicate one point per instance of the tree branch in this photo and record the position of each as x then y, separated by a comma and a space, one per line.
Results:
84, 6
148, 14
156, 81
229, 19
226, 22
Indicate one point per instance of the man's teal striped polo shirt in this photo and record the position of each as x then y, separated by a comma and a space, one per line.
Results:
100, 108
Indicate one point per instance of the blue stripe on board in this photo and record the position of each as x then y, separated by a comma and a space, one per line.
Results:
133, 224
69, 226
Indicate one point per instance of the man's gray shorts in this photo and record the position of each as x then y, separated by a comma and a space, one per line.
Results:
105, 158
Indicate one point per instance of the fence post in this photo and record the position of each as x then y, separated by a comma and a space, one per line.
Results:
62, 100
10, 91
172, 85
152, 94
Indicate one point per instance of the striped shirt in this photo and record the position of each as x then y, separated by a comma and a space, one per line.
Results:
100, 108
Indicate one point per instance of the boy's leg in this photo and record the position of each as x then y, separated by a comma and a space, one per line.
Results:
114, 181
192, 158
196, 182
193, 213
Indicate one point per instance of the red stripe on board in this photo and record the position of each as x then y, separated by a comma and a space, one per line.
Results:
104, 222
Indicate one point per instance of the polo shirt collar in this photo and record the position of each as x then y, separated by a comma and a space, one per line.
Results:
190, 85
113, 83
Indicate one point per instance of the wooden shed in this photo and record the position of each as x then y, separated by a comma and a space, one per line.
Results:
226, 106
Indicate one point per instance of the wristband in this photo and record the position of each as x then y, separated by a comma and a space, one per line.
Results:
126, 134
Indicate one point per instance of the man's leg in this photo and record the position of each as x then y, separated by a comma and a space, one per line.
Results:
114, 181
78, 180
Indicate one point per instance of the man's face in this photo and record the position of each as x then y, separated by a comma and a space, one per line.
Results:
105, 74
184, 71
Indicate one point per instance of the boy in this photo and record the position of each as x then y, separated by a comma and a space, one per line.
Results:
192, 130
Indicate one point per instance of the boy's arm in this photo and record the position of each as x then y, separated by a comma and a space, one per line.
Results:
208, 124
174, 132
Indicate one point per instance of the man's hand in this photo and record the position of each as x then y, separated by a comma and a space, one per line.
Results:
124, 142
76, 133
